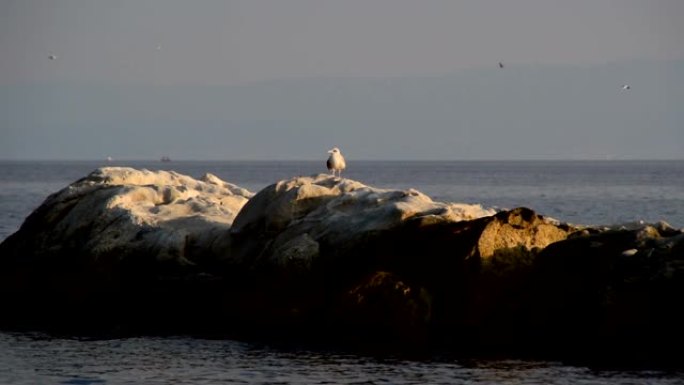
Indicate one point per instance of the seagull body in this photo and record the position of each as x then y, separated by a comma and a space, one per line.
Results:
336, 162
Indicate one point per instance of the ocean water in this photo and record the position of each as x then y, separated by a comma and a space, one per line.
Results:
580, 192
39, 359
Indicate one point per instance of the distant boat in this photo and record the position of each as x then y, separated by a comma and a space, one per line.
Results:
165, 159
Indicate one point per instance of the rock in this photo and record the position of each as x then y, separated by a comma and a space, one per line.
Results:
120, 212
507, 248
334, 213
115, 229
620, 289
292, 247
519, 229
383, 305
478, 274
327, 235
332, 259
307, 239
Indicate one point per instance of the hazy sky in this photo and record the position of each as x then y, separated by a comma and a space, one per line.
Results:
141, 78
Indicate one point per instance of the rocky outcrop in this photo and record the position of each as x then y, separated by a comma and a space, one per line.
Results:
112, 233
116, 213
621, 286
333, 259
307, 220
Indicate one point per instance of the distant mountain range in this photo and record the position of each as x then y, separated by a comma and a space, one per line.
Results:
498, 113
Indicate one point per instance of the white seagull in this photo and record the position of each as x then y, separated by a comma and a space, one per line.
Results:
626, 87
336, 162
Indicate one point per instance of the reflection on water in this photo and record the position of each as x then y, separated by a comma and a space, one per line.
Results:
40, 359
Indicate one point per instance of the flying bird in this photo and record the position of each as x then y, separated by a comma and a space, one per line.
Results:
52, 57
626, 87
336, 162
501, 65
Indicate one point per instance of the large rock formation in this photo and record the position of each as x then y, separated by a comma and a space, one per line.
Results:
117, 231
332, 258
321, 243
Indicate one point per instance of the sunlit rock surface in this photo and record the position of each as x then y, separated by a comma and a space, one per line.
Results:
116, 213
297, 221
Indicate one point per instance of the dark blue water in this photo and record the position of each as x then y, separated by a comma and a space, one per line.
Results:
604, 192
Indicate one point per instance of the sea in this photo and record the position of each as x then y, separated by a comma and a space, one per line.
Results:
596, 193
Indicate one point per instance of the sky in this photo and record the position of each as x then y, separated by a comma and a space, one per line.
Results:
381, 79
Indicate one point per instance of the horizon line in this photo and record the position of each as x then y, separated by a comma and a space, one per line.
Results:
105, 160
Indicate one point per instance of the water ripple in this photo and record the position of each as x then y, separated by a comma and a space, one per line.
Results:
36, 358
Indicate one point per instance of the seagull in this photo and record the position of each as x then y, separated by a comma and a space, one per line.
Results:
336, 162
500, 65
52, 57
626, 87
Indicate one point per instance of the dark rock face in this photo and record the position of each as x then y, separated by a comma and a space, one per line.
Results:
621, 287
382, 306
334, 260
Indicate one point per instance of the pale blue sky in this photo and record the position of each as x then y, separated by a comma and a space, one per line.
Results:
381, 79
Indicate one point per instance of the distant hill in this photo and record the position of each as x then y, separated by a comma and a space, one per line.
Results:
498, 113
